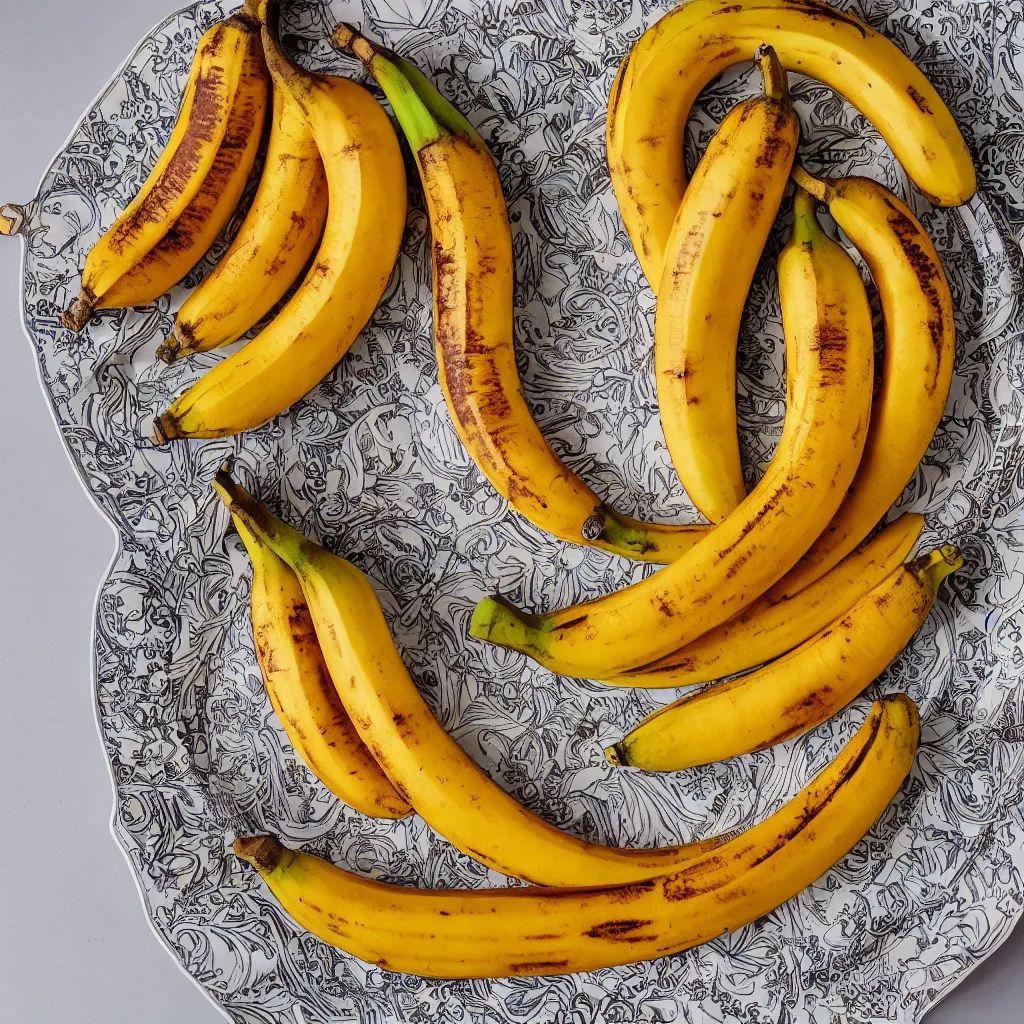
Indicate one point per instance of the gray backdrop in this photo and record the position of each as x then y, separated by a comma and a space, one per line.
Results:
74, 944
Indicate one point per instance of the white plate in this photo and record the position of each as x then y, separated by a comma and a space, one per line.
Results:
370, 465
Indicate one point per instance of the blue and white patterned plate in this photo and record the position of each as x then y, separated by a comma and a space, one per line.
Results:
370, 465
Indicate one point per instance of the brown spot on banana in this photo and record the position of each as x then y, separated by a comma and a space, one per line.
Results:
538, 966
919, 101
619, 931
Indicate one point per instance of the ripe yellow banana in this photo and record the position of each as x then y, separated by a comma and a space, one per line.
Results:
713, 250
661, 76
316, 327
473, 323
196, 184
772, 626
301, 690
498, 933
920, 340
829, 345
273, 245
206, 216
799, 691
427, 767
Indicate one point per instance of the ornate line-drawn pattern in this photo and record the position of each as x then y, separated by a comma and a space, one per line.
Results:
370, 465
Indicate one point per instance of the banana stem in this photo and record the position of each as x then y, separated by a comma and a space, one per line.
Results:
251, 9
776, 84
285, 542
424, 114
499, 622
818, 187
806, 229
281, 69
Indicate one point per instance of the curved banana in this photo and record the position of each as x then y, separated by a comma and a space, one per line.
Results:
473, 323
920, 344
186, 199
316, 327
799, 691
301, 690
427, 767
206, 216
273, 245
716, 241
829, 351
772, 626
661, 76
494, 933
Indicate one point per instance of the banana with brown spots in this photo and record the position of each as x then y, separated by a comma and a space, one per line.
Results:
301, 691
793, 694
425, 765
197, 183
829, 347
774, 625
365, 221
920, 345
716, 241
495, 933
473, 323
664, 72
273, 245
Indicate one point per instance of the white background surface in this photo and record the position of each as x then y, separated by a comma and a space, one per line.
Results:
75, 947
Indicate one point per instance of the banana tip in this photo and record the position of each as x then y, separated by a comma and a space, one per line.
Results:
490, 615
343, 36
263, 852
76, 316
615, 755
169, 350
164, 429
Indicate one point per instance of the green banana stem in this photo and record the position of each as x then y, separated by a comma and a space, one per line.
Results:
806, 229
934, 566
424, 114
285, 542
499, 622
776, 85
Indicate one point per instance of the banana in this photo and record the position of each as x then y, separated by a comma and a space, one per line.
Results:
273, 245
661, 76
920, 343
496, 933
428, 769
713, 250
799, 691
316, 327
196, 184
829, 345
212, 207
301, 690
473, 323
772, 626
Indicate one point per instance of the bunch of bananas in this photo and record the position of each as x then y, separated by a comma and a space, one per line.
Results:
786, 602
352, 711
331, 202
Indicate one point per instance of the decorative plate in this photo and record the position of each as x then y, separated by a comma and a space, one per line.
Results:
370, 465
